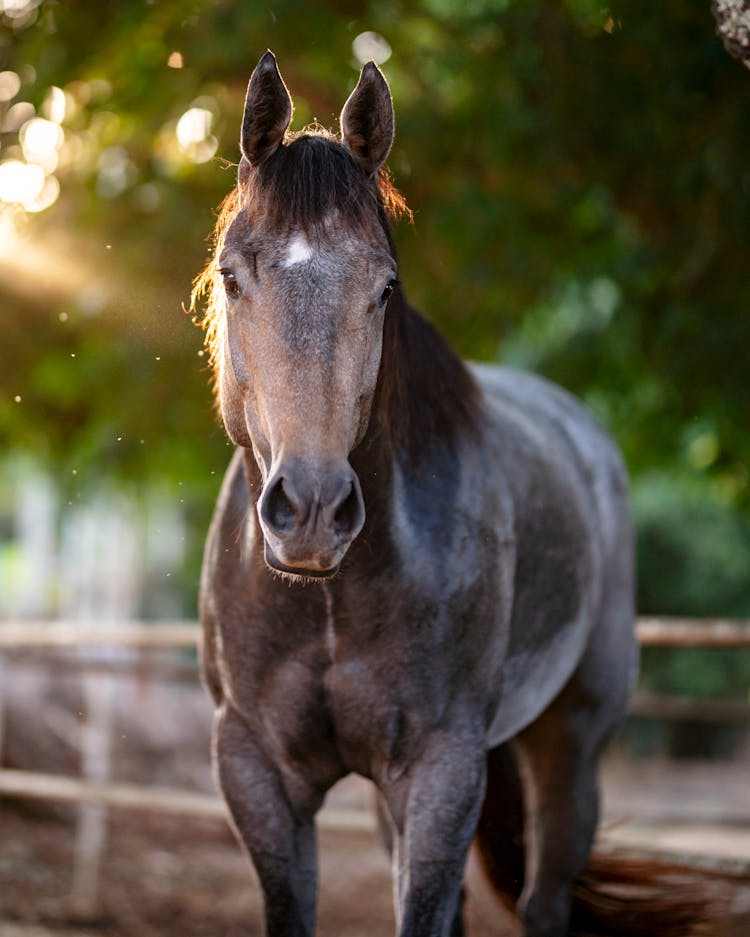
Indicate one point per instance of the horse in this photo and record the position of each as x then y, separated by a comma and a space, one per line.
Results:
418, 570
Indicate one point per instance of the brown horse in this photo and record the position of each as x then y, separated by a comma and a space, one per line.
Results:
417, 571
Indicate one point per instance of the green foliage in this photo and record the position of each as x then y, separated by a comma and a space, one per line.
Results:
693, 560
578, 172
693, 551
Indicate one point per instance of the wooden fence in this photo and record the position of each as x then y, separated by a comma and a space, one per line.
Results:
96, 791
184, 635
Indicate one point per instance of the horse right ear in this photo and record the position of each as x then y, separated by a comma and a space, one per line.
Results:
268, 112
367, 120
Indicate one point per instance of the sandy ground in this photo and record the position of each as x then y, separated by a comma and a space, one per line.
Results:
166, 876
183, 877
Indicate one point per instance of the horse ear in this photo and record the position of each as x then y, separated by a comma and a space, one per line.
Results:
268, 111
367, 120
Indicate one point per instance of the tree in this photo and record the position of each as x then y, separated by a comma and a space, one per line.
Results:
733, 22
578, 172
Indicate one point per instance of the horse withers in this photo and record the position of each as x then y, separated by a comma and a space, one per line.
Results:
418, 571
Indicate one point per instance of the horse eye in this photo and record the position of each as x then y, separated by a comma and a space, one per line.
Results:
231, 286
386, 294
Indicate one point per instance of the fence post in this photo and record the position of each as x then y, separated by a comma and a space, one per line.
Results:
103, 590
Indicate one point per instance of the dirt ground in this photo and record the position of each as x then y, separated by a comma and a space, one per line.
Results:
167, 876
178, 876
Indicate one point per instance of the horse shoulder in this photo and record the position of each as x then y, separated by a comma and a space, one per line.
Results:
221, 572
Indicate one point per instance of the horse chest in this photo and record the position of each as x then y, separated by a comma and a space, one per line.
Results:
375, 721
347, 716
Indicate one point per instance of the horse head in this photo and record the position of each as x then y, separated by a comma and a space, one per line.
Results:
306, 270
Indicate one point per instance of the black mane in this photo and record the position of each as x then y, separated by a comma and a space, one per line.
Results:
425, 393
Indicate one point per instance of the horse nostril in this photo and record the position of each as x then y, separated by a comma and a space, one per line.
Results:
320, 511
279, 510
349, 513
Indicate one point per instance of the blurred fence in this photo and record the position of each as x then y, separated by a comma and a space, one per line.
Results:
104, 557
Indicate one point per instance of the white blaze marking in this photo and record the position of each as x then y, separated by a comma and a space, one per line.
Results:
298, 251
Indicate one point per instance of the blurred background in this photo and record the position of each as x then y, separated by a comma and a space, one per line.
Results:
579, 173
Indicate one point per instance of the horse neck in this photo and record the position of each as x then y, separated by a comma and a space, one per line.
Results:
424, 414
425, 398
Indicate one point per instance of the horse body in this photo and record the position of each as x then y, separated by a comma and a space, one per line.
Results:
572, 536
513, 565
399, 609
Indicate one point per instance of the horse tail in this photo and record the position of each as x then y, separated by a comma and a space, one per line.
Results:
499, 835
613, 896
622, 897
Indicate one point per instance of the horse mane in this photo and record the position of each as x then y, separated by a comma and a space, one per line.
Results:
424, 390
425, 393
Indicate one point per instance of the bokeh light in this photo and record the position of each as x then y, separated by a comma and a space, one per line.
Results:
21, 13
16, 116
26, 185
10, 85
194, 135
55, 105
40, 141
117, 172
371, 47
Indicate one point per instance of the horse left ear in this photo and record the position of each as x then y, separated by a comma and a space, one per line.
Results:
367, 120
268, 111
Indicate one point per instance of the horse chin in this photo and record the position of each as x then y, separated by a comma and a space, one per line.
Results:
297, 573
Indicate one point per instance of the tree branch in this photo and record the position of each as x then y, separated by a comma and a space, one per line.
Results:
733, 25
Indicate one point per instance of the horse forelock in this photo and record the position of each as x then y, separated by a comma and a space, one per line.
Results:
312, 177
309, 179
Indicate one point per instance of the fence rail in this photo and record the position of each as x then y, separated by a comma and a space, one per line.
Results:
693, 632
652, 632
67, 634
40, 786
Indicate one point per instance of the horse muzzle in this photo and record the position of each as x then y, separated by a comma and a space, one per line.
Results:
310, 518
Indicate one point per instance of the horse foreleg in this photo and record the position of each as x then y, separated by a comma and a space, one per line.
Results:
274, 824
434, 811
388, 838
